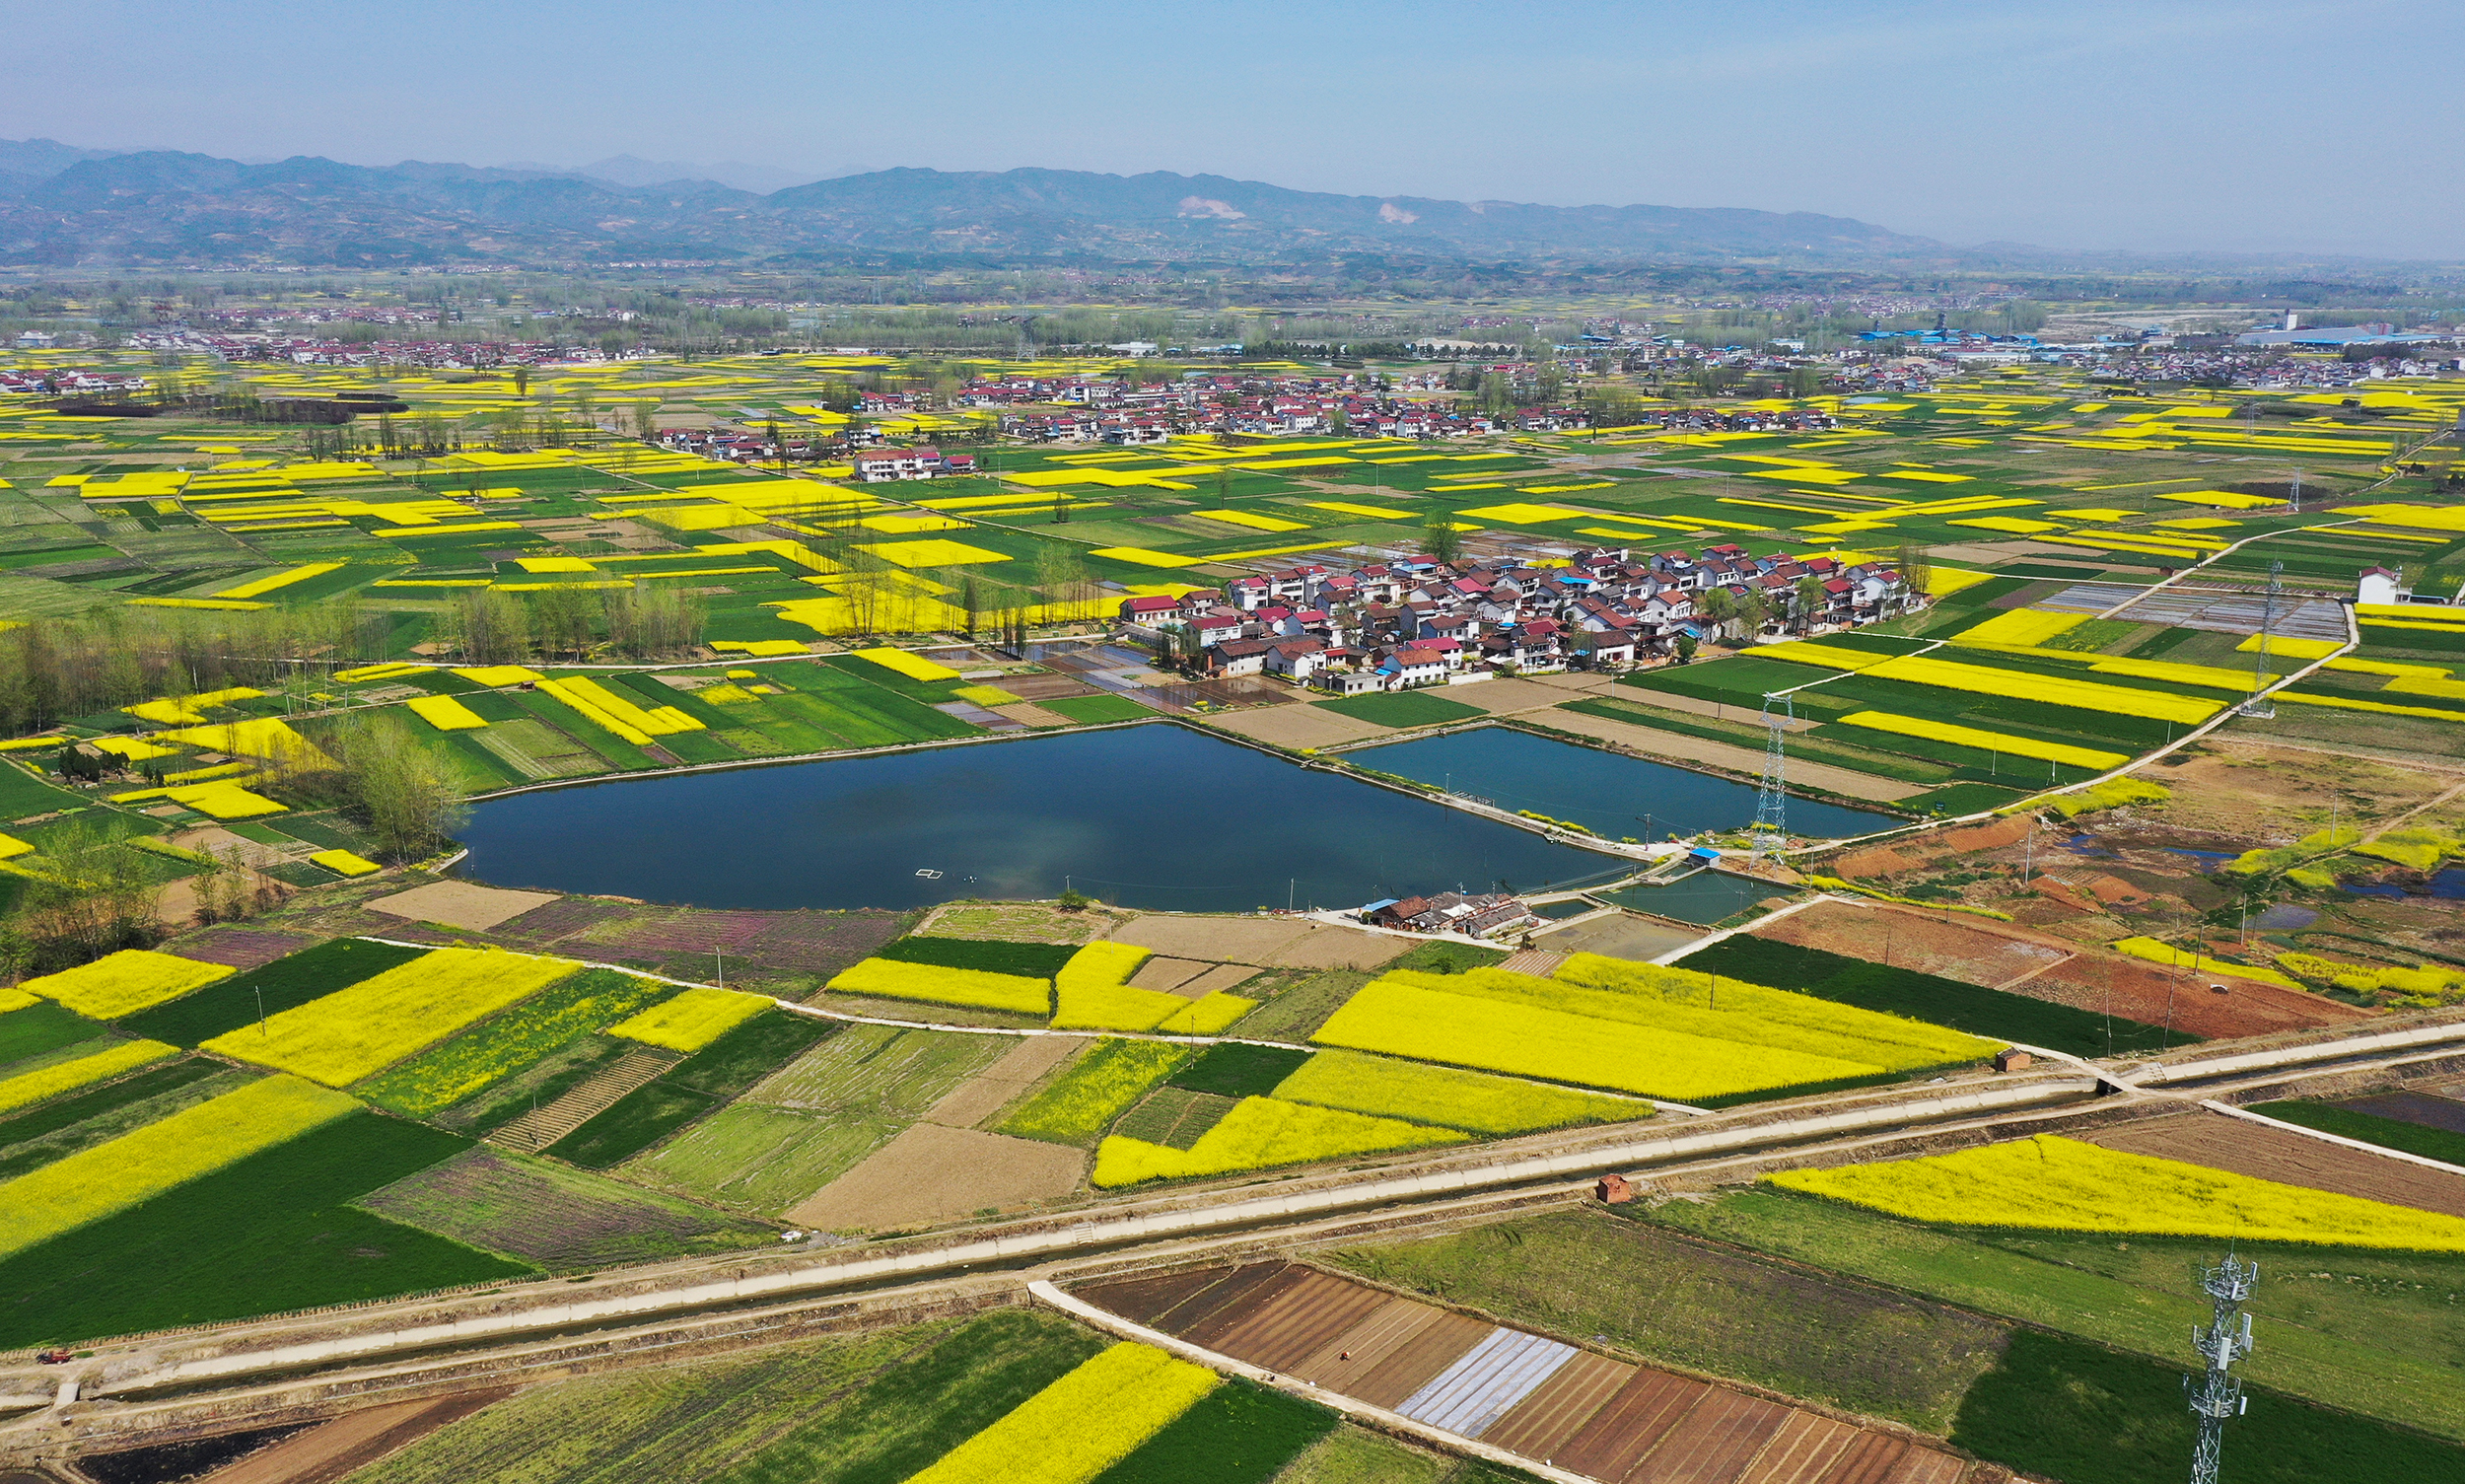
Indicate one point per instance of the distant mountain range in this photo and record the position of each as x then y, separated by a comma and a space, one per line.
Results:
63, 206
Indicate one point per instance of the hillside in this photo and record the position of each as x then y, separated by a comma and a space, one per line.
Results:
64, 206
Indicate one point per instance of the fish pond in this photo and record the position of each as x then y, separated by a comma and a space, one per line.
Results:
1161, 818
1609, 793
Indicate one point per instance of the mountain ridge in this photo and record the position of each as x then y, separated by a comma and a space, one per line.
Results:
155, 206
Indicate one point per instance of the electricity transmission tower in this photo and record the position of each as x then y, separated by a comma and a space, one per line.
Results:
1769, 832
2217, 1395
2260, 706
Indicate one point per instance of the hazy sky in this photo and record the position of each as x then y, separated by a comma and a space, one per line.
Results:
2229, 124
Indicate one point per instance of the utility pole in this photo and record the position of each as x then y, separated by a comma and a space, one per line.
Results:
2216, 1395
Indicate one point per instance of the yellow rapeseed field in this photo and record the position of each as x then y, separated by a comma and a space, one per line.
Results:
125, 982
1993, 742
445, 713
898, 980
914, 666
1404, 1019
2025, 627
691, 1019
1081, 1424
1262, 1133
51, 1081
357, 1032
2052, 1184
146, 1162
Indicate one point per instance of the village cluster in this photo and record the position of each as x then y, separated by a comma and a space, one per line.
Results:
1414, 621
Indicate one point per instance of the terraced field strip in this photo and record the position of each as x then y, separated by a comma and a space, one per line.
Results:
540, 1127
1531, 1394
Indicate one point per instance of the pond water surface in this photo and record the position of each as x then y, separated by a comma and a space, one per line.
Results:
1608, 794
1152, 817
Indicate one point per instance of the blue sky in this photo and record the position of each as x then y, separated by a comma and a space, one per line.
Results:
2232, 125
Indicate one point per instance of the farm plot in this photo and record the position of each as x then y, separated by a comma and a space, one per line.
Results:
1945, 1001
1634, 1028
1515, 1388
148, 1161
1445, 1096
266, 1232
511, 1041
2091, 983
1096, 1089
691, 1090
561, 1219
1265, 944
2417, 1123
1707, 1308
903, 1182
2061, 1408
63, 1126
879, 1406
817, 1117
2257, 1151
2060, 1184
354, 1032
124, 982
1081, 1425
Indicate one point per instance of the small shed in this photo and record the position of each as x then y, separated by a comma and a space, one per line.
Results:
1612, 1190
2013, 1059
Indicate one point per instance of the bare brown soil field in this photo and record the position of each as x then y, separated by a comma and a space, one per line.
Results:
930, 1174
2044, 967
1266, 942
1169, 974
461, 904
2139, 990
1221, 976
1027, 713
1966, 950
1624, 935
1505, 697
1591, 1414
1927, 849
990, 1091
352, 1442
2221, 1141
1044, 688
1299, 727
241, 948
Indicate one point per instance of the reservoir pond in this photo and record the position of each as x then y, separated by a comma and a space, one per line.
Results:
1612, 794
1159, 817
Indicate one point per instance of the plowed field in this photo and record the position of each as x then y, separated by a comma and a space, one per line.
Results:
1531, 1394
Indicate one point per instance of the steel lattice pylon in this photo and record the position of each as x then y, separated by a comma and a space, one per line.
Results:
1769, 832
2216, 1395
2259, 705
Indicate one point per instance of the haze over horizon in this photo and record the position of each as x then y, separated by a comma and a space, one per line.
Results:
2156, 126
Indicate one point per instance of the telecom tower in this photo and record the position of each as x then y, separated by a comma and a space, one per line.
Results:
2217, 1395
2259, 705
1771, 827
